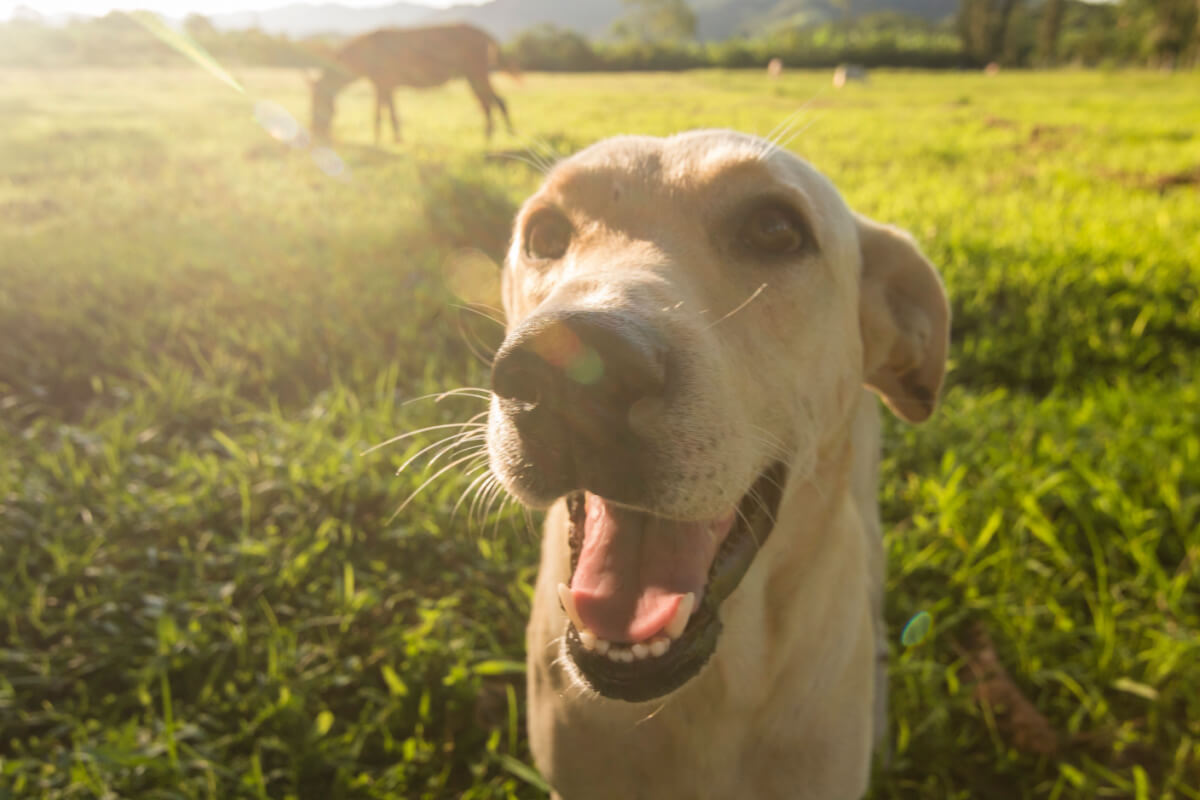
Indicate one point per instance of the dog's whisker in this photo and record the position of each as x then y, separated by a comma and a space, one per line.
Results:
487, 505
504, 502
465, 391
529, 526
550, 150
476, 438
419, 431
650, 716
782, 126
796, 134
550, 155
739, 307
779, 131
770, 145
773, 482
769, 437
476, 492
430, 480
472, 487
456, 439
474, 343
749, 527
476, 502
479, 311
482, 501
480, 472
534, 151
762, 505
772, 443
527, 160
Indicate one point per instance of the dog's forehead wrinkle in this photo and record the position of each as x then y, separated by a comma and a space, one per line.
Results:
681, 163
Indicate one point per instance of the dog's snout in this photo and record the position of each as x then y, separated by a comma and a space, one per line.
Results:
603, 360
582, 364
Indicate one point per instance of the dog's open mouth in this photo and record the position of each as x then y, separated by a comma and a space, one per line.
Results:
645, 591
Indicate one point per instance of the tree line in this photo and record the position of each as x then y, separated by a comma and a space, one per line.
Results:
661, 35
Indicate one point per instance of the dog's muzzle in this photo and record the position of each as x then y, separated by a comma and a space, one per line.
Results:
582, 389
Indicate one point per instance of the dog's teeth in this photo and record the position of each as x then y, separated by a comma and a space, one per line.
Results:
659, 645
602, 646
675, 627
587, 638
640, 651
621, 655
568, 604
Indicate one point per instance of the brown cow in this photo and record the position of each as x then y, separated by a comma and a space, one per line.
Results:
417, 57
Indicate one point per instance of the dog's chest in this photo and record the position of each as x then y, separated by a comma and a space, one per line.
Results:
680, 749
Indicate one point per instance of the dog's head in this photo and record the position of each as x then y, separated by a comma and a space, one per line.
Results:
690, 321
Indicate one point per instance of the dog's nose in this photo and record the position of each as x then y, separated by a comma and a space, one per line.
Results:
587, 369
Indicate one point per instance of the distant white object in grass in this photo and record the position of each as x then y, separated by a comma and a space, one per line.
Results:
917, 629
849, 72
775, 68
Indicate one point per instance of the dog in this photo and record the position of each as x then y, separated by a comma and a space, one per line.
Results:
695, 327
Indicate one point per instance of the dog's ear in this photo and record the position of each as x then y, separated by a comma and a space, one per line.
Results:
904, 319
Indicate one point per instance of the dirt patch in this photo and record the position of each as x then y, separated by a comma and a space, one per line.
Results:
1018, 719
998, 122
28, 212
1044, 138
1172, 180
1161, 182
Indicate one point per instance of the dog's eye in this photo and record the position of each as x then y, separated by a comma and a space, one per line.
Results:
772, 230
547, 236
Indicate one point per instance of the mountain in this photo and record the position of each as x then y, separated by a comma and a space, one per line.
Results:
308, 19
716, 19
505, 18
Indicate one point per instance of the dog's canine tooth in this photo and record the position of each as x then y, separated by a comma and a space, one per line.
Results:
568, 604
659, 645
587, 638
675, 627
602, 645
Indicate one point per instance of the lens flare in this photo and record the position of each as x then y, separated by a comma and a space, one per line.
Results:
330, 163
587, 367
183, 44
917, 629
557, 345
473, 277
279, 123
272, 117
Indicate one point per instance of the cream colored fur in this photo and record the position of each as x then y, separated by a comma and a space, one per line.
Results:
791, 701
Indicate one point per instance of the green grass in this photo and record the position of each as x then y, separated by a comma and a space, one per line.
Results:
206, 594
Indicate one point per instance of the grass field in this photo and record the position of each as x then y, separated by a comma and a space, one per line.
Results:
203, 590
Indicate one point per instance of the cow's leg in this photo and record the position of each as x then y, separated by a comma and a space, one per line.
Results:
484, 94
503, 108
391, 107
379, 101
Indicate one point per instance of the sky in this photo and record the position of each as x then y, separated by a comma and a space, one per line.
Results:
179, 9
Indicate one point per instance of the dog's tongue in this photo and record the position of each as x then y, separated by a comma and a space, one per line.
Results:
635, 568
